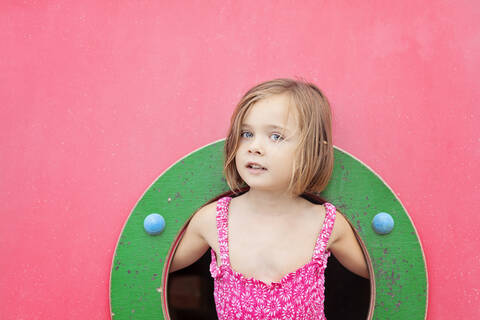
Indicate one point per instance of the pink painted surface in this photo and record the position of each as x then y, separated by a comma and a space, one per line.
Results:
98, 98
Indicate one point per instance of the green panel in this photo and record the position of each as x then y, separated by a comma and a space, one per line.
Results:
397, 258
138, 276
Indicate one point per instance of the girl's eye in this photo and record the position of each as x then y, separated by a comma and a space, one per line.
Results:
276, 137
245, 134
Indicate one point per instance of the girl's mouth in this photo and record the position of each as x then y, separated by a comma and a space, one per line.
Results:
255, 167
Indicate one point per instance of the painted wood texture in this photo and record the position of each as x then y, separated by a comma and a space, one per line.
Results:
139, 273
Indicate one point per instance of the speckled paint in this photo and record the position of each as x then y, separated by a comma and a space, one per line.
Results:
397, 260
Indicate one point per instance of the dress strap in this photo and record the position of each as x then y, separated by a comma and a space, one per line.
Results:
222, 228
327, 228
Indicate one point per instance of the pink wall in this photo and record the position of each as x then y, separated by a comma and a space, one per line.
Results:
99, 98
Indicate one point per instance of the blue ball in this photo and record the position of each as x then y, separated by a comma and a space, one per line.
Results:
382, 223
154, 224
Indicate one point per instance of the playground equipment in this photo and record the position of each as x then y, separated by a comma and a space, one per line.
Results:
139, 274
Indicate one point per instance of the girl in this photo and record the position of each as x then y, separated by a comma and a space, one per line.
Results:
270, 245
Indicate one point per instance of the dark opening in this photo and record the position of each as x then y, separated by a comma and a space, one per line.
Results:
347, 296
190, 290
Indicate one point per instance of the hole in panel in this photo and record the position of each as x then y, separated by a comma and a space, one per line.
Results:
347, 296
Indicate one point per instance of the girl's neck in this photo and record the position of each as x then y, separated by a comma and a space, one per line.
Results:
271, 203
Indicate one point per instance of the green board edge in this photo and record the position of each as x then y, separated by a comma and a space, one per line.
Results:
139, 275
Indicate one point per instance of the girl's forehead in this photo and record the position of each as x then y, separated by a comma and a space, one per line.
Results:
272, 111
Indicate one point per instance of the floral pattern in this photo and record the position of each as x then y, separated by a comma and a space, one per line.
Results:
298, 295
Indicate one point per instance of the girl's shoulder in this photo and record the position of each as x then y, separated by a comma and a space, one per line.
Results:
319, 216
318, 209
204, 220
208, 211
314, 214
341, 226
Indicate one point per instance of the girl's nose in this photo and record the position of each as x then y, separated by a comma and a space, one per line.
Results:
255, 147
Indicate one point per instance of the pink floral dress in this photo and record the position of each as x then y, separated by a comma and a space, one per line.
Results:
298, 295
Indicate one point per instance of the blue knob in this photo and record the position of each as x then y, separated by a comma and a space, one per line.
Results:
154, 224
383, 223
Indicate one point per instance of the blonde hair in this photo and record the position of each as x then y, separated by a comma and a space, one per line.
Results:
313, 164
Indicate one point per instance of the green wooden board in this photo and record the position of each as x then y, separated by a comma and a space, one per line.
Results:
139, 275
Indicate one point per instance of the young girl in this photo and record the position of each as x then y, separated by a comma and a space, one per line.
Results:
270, 245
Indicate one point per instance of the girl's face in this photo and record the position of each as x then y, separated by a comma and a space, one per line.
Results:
269, 136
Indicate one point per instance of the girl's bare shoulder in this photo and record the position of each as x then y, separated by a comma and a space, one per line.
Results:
313, 214
205, 223
318, 218
340, 227
205, 216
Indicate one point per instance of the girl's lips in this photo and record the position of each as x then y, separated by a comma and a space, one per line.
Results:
255, 171
250, 164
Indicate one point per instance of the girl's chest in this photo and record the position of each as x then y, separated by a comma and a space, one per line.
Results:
269, 251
